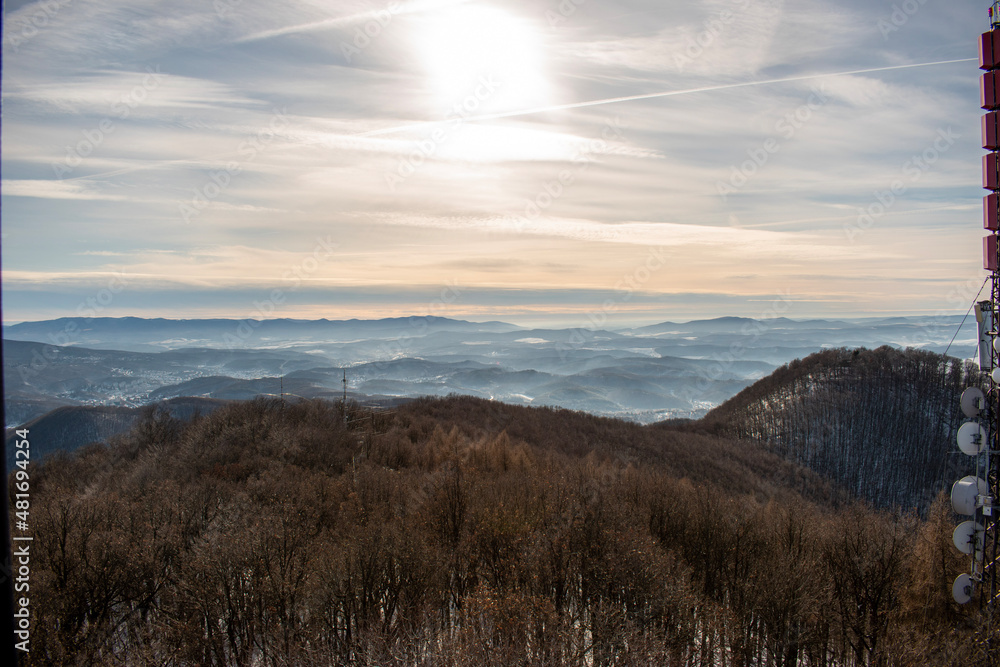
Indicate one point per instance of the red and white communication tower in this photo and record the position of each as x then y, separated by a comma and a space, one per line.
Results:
973, 495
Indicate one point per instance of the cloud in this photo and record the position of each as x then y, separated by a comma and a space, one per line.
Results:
57, 190
697, 89
718, 240
352, 17
728, 38
121, 94
76, 35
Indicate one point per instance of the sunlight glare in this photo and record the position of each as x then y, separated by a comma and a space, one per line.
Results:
482, 58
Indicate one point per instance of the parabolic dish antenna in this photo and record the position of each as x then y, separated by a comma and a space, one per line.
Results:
969, 535
973, 401
964, 492
971, 438
995, 374
961, 590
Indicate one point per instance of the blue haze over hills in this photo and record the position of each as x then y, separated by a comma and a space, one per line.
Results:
644, 374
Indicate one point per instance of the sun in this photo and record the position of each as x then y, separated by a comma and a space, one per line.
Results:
480, 56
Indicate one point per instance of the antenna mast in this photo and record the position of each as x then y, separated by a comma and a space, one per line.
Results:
974, 495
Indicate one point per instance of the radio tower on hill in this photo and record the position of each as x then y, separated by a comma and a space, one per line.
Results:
973, 496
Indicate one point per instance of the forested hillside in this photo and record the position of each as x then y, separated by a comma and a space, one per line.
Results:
462, 532
878, 423
70, 427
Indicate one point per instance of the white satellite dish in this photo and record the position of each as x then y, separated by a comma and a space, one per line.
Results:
973, 401
971, 438
968, 536
964, 492
995, 374
961, 590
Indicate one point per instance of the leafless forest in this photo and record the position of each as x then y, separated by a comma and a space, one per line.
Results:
879, 423
460, 532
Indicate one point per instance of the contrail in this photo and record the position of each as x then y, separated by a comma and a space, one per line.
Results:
323, 24
649, 96
559, 107
307, 27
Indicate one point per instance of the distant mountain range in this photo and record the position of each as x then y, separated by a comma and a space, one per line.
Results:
644, 374
153, 335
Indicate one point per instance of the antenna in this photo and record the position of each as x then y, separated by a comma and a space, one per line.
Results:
962, 589
971, 438
344, 404
973, 401
973, 495
968, 494
968, 538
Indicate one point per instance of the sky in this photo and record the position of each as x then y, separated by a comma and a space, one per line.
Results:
560, 162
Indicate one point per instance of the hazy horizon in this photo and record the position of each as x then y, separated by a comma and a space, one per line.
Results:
541, 322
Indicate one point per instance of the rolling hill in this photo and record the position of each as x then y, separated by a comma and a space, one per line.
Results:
467, 532
879, 423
